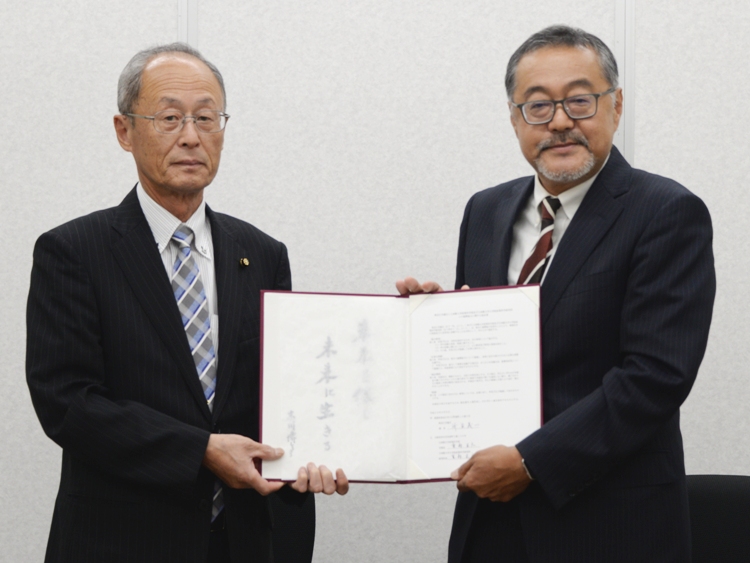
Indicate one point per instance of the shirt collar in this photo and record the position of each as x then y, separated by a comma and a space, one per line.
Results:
163, 224
570, 199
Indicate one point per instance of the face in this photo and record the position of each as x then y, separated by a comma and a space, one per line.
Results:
173, 165
564, 152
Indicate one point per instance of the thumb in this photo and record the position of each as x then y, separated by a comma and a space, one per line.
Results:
264, 451
458, 474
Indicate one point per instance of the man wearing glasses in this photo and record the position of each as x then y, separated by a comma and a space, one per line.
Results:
142, 352
625, 262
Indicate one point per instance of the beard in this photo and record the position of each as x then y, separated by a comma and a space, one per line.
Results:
564, 176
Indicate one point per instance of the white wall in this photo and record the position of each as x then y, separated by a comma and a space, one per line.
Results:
690, 125
358, 132
59, 64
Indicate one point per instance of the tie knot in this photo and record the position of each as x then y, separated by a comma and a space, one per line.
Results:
550, 205
183, 236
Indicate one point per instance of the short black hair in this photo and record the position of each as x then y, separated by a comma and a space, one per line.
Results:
562, 36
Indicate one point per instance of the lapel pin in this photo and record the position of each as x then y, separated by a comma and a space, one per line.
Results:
244, 262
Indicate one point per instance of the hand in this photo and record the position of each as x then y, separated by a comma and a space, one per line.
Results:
320, 480
496, 473
231, 458
410, 286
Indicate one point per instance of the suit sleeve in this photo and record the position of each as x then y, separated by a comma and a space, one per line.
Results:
283, 271
461, 258
663, 331
65, 369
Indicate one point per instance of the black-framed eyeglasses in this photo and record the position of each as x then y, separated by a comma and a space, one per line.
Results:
172, 120
582, 106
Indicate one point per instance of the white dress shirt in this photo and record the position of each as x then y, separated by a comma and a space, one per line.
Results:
529, 224
163, 225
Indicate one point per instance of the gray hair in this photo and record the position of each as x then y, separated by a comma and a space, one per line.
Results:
562, 36
129, 84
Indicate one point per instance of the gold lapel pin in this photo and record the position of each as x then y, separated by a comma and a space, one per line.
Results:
244, 262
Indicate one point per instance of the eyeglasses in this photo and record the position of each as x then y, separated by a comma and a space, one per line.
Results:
172, 120
539, 112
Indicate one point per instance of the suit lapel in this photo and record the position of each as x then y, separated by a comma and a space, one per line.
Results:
598, 212
505, 217
137, 255
227, 254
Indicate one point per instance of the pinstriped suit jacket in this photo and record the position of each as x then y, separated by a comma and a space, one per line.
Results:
114, 384
625, 308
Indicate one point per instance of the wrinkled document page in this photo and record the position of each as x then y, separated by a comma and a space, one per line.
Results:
397, 389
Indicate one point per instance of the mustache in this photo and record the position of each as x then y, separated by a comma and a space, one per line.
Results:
563, 138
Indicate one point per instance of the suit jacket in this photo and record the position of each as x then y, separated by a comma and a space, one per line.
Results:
113, 382
625, 309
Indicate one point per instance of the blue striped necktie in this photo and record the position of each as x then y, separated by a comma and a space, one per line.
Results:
196, 319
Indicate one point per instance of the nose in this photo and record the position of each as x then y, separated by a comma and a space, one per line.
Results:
560, 119
189, 133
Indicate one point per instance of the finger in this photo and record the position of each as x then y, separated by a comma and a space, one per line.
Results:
413, 285
498, 497
401, 287
461, 472
464, 286
300, 485
264, 487
274, 486
431, 287
461, 486
342, 483
315, 482
326, 477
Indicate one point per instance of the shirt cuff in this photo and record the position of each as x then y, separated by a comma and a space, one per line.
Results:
526, 469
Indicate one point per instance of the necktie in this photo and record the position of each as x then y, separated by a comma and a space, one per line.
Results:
196, 319
533, 269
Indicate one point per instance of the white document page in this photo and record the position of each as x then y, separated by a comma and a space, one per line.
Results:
340, 396
475, 375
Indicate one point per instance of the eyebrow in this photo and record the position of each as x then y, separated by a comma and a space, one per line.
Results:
580, 82
176, 101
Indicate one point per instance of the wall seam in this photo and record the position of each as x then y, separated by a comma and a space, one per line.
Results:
187, 22
625, 55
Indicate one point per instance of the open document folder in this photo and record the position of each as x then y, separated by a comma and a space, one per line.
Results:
397, 389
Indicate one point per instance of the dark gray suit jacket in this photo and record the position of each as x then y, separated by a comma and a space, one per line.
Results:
114, 384
625, 309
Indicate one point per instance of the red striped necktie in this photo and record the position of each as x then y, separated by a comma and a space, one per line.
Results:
533, 269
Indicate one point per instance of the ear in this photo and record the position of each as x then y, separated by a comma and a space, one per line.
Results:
124, 129
513, 118
618, 106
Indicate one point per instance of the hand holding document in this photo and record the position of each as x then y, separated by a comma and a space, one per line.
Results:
397, 389
231, 457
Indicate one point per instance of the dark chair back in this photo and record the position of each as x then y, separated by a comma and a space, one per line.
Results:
720, 518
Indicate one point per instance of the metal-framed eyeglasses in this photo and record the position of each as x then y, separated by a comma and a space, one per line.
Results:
582, 106
172, 120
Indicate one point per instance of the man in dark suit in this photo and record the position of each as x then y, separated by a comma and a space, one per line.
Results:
625, 262
157, 421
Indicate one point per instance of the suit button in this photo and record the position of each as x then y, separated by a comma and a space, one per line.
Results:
204, 504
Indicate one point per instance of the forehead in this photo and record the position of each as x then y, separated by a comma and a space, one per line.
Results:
179, 78
554, 70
